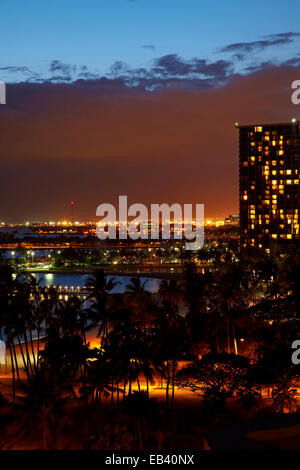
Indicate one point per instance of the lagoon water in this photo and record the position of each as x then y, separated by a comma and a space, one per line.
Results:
75, 280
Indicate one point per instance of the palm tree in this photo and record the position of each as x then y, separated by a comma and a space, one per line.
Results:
43, 400
100, 312
171, 290
139, 298
231, 289
139, 406
284, 395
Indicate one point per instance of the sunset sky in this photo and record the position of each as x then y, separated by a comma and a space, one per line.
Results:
137, 97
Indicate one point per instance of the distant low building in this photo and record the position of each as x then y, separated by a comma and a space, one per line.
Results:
232, 220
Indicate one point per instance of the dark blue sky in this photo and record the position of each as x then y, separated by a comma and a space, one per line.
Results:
90, 36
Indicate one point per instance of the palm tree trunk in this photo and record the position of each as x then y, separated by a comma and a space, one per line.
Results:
27, 353
217, 341
16, 361
168, 384
112, 397
228, 336
13, 373
38, 347
45, 440
23, 357
118, 399
138, 382
234, 339
130, 380
140, 434
124, 389
173, 383
102, 338
32, 349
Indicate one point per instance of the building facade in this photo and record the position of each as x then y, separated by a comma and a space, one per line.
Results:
269, 168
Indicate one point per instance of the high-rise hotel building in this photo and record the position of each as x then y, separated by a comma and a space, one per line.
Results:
269, 183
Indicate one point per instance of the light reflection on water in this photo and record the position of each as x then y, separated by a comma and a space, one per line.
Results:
75, 280
79, 280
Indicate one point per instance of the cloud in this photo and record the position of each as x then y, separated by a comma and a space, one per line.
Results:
150, 47
293, 62
242, 48
61, 70
173, 66
170, 70
25, 72
173, 71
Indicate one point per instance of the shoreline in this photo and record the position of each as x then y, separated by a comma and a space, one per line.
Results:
151, 274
